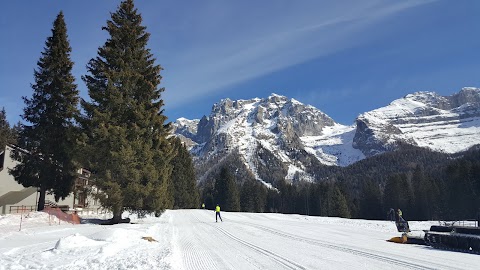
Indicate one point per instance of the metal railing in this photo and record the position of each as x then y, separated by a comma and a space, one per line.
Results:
22, 208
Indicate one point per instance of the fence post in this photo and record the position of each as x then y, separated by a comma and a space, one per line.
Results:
22, 210
21, 218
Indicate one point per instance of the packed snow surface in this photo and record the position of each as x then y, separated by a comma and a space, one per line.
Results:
191, 239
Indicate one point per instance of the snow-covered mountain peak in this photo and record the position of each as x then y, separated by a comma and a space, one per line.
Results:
442, 123
274, 132
427, 99
187, 122
283, 137
186, 129
419, 103
277, 96
467, 95
471, 90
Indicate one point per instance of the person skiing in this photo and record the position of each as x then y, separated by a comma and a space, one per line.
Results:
203, 205
217, 213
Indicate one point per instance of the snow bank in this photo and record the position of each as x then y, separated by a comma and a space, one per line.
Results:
75, 241
118, 235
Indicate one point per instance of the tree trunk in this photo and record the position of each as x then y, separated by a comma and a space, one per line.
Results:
41, 198
117, 214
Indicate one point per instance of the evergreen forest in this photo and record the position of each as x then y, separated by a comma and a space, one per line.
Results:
425, 185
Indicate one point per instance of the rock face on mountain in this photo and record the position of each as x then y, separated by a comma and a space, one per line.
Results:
445, 124
281, 138
267, 135
186, 129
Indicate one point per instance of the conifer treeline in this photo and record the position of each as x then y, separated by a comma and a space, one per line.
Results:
446, 189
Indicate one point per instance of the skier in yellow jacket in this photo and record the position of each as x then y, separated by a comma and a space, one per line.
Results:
217, 213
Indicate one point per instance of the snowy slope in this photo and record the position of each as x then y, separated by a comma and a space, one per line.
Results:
445, 124
334, 146
190, 239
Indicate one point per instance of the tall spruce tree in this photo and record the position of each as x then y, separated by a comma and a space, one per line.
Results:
426, 193
124, 126
246, 198
7, 135
463, 189
47, 138
253, 196
226, 192
371, 201
398, 193
260, 197
183, 178
335, 202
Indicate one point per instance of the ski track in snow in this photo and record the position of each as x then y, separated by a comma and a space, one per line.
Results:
192, 240
370, 255
285, 262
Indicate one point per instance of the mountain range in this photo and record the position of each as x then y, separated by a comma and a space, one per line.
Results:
280, 137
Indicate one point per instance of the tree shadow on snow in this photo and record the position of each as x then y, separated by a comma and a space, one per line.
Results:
99, 221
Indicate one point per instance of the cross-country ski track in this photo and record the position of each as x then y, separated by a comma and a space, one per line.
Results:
191, 239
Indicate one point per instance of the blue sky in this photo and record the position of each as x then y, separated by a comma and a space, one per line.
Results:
344, 57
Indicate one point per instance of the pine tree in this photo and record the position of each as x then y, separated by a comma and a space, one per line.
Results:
288, 198
273, 201
247, 203
371, 201
252, 197
124, 127
463, 192
226, 192
315, 199
183, 178
303, 200
49, 139
169, 195
426, 195
398, 193
260, 197
7, 134
336, 203
208, 195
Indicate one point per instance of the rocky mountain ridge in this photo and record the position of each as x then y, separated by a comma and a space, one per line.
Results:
446, 124
281, 137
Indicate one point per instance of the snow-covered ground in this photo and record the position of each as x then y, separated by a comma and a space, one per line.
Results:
190, 239
335, 146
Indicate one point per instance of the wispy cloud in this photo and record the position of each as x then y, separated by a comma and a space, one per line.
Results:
225, 45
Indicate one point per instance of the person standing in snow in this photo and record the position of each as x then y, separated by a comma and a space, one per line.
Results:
399, 213
203, 205
217, 213
402, 224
